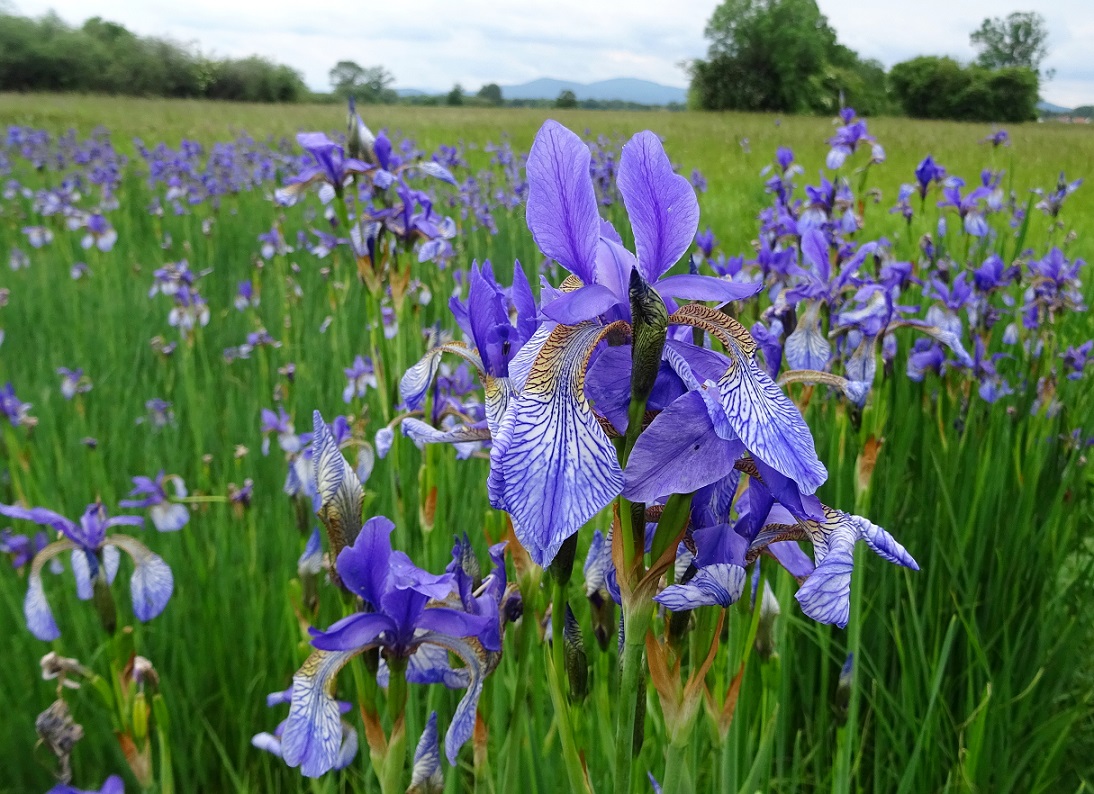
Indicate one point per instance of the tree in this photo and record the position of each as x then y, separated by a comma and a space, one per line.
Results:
491, 93
455, 96
566, 99
369, 85
941, 88
1019, 40
774, 55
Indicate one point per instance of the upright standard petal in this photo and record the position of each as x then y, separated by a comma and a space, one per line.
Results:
557, 465
662, 206
364, 566
562, 211
312, 739
340, 494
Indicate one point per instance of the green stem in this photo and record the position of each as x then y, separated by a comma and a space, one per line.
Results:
556, 666
677, 779
635, 623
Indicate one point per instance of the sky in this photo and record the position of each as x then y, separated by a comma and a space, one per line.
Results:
434, 44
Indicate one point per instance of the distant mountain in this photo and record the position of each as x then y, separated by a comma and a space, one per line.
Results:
624, 89
409, 92
1048, 107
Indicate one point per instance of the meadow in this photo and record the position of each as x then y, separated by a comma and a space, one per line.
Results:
972, 673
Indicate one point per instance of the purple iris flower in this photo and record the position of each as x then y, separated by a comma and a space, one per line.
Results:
997, 138
566, 225
95, 559
1076, 359
167, 516
16, 411
410, 609
771, 515
698, 181
100, 234
968, 207
73, 382
360, 376
245, 296
21, 548
927, 172
993, 274
705, 241
1054, 201
848, 138
331, 167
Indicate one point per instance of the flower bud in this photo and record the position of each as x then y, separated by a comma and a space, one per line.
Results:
765, 632
577, 662
562, 567
103, 600
843, 689
650, 323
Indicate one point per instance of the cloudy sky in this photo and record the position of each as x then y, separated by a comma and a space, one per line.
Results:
432, 44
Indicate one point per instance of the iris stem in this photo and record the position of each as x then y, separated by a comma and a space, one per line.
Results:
635, 622
676, 767
391, 781
575, 770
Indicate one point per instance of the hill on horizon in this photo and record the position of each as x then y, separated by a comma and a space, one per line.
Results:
623, 89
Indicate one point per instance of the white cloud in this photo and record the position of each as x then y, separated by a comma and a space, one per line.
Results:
435, 43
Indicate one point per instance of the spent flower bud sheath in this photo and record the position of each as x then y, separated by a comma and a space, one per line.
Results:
577, 661
650, 321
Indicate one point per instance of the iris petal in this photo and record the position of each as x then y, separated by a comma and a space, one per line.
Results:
713, 585
340, 495
152, 582
478, 667
706, 288
557, 465
582, 304
678, 453
661, 204
769, 424
807, 347
562, 211
312, 738
426, 776
364, 565
416, 380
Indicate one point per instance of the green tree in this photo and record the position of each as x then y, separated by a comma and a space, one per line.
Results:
455, 96
566, 99
941, 88
491, 93
777, 55
1019, 40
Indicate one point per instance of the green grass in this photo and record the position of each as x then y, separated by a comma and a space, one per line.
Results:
973, 674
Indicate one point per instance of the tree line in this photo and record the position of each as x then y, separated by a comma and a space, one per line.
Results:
47, 54
783, 56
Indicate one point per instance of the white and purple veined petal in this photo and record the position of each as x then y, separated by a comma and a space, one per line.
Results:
477, 664
426, 776
825, 595
312, 738
769, 424
422, 433
557, 467
807, 347
562, 211
416, 381
152, 582
339, 492
661, 205
713, 585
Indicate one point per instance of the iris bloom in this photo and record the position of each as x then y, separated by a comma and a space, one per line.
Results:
271, 742
426, 776
73, 382
95, 559
167, 516
112, 785
411, 612
770, 516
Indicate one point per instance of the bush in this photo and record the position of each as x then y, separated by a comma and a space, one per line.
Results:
940, 88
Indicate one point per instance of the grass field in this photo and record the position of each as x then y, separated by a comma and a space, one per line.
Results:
972, 674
